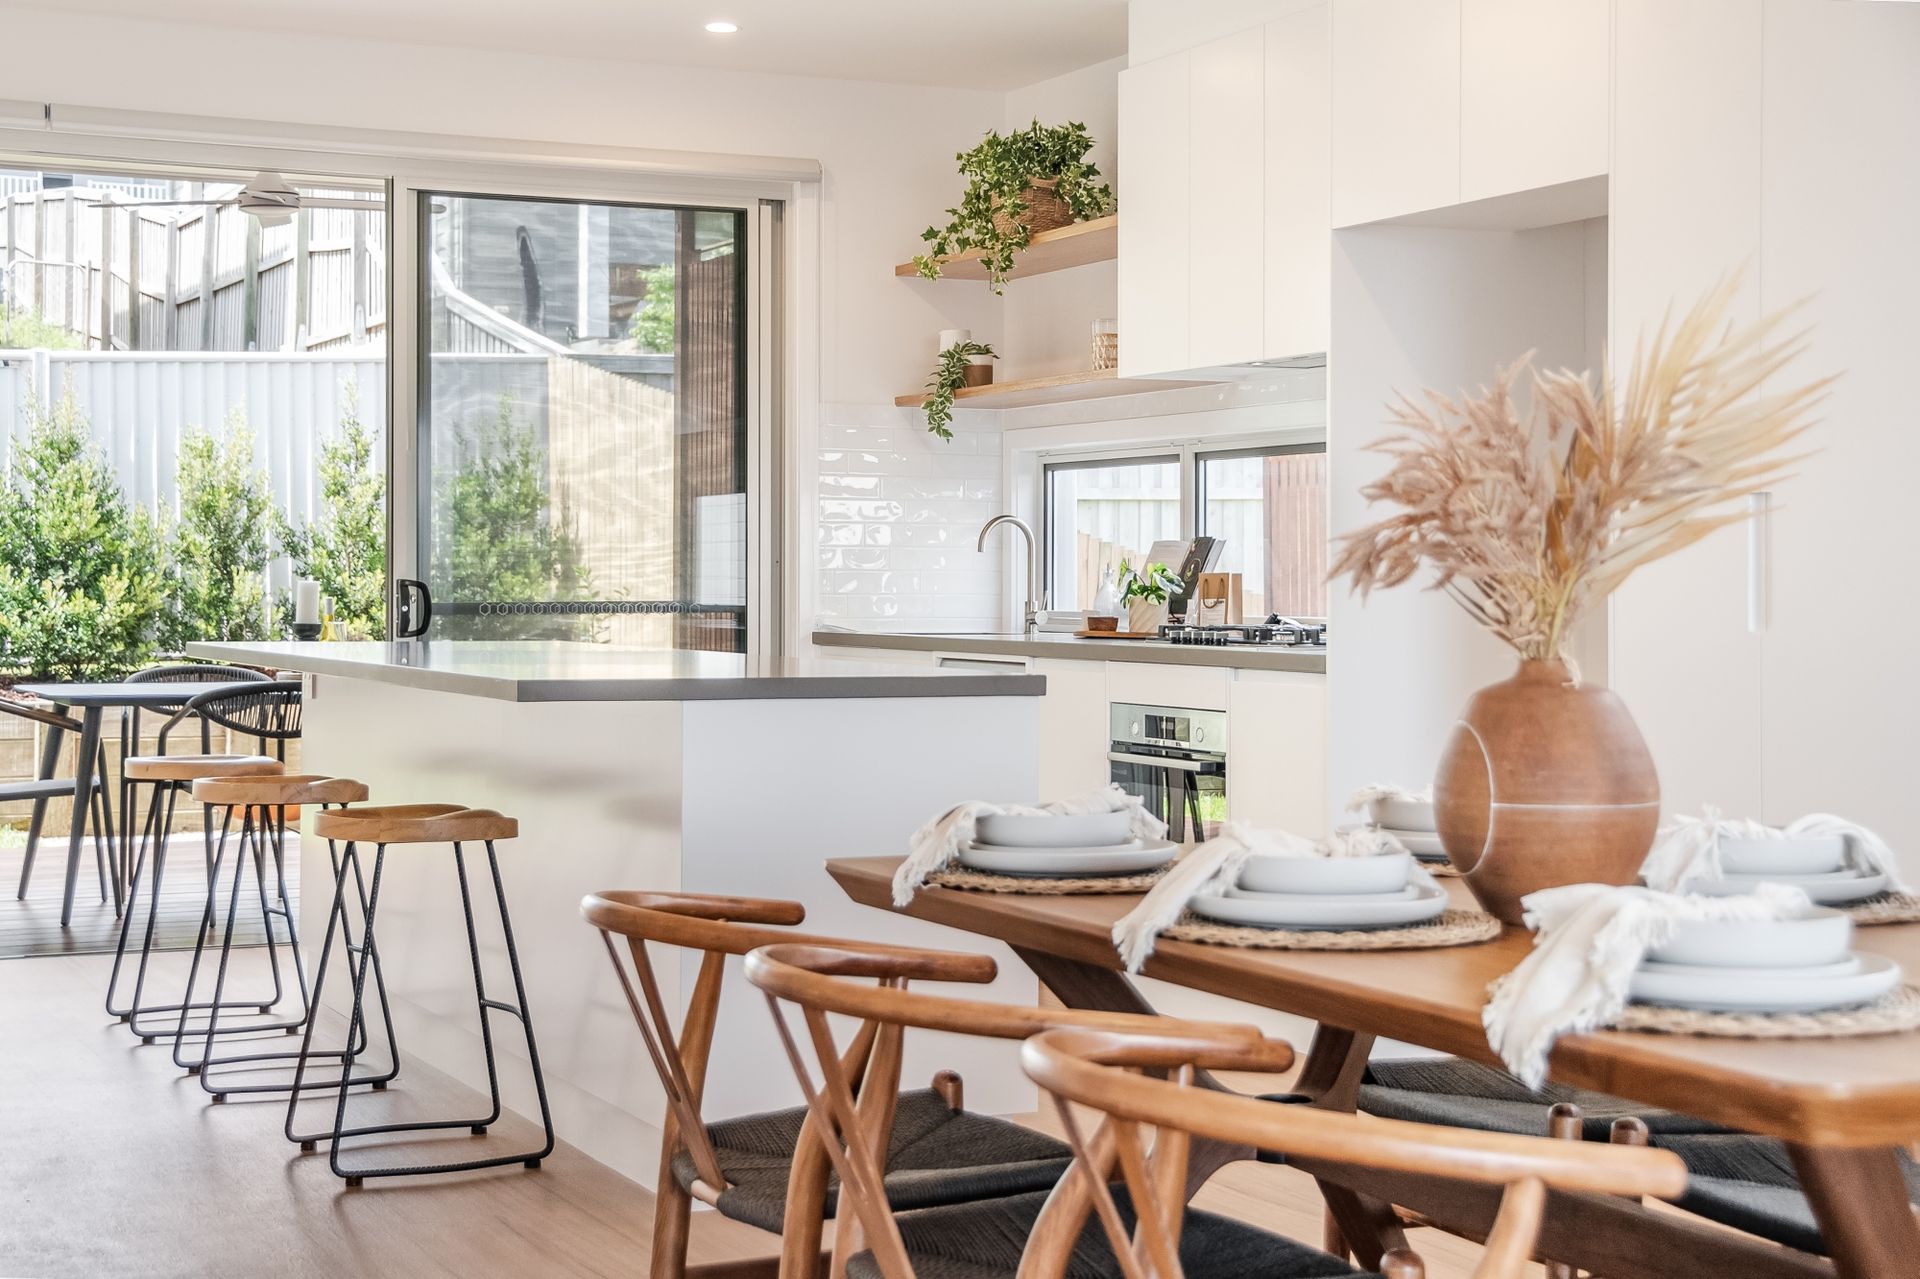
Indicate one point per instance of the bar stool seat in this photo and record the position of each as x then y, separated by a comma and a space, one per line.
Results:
290, 790
191, 768
415, 824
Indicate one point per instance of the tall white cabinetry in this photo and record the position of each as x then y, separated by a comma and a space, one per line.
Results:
1798, 161
1223, 240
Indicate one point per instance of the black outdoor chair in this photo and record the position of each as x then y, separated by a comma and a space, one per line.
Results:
45, 786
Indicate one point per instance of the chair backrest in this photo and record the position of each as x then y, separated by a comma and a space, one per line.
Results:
195, 673
268, 709
852, 1099
1114, 1073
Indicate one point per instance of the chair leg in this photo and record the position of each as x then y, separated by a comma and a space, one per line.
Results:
520, 997
672, 1210
1403, 1263
1563, 1123
49, 760
1332, 1238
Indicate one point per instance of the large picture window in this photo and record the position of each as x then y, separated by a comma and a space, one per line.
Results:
583, 425
1266, 504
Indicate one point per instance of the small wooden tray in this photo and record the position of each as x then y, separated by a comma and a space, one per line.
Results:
1136, 635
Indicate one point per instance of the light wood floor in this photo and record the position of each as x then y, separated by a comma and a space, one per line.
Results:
112, 1162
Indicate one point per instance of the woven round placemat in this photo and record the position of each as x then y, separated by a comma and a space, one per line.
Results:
979, 881
1886, 908
1890, 1014
1439, 869
1454, 928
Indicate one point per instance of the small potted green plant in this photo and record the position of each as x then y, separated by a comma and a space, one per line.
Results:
1032, 179
1146, 591
949, 376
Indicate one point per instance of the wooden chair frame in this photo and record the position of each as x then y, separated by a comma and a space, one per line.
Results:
854, 1112
716, 927
1113, 1074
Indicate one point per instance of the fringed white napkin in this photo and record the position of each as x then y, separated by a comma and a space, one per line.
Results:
1358, 801
1689, 847
1589, 939
1216, 865
936, 843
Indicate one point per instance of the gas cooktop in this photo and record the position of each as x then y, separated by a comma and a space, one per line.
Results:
1276, 631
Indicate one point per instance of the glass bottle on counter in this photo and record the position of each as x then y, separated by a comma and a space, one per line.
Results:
1106, 601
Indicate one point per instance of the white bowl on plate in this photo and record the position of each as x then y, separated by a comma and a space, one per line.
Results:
1055, 830
1820, 936
1313, 876
1421, 843
1068, 861
1382, 910
1739, 990
1402, 814
1830, 889
1794, 855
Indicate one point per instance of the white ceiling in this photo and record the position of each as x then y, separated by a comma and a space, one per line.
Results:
977, 44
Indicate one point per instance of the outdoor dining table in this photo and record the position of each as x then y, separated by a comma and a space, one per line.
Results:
93, 700
1843, 1106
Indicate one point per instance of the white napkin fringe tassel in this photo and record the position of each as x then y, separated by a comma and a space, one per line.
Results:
1688, 848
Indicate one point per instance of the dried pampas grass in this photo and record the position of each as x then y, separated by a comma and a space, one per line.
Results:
1529, 522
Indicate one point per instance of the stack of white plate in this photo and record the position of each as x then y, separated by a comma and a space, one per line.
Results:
1063, 846
1800, 964
1818, 864
1411, 822
1342, 893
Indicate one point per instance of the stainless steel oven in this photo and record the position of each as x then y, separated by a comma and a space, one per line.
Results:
1175, 759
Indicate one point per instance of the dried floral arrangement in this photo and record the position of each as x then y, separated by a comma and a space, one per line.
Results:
1528, 523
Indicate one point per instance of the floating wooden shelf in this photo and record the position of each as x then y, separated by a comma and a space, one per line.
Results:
1063, 388
1097, 240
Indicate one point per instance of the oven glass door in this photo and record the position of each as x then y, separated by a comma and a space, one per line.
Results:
1188, 791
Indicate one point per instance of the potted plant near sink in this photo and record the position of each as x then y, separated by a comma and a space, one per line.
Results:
1020, 183
1146, 590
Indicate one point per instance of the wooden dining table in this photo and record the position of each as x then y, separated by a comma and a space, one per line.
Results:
1845, 1107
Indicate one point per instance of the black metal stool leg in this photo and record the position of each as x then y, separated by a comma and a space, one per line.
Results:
147, 845
206, 926
531, 1159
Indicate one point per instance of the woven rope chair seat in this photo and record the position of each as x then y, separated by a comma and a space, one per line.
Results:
984, 1241
937, 1156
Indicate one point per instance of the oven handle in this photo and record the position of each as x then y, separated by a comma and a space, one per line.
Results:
1160, 761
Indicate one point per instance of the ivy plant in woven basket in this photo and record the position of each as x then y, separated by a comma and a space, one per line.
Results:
1530, 520
948, 377
1029, 180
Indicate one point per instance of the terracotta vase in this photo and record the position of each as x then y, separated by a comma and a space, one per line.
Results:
1544, 783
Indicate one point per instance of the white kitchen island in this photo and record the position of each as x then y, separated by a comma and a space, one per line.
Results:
631, 768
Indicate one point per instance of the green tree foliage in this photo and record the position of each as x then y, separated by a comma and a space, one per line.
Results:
345, 548
220, 540
497, 537
82, 580
652, 325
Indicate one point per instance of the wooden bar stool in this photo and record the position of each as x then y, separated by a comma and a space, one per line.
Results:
262, 802
169, 776
421, 824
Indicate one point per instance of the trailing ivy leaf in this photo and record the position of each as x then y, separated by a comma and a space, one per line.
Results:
949, 376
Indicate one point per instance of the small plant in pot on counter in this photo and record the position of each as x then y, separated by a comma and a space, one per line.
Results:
1033, 179
949, 376
1146, 591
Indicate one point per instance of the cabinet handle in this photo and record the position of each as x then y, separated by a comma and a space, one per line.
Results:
1759, 558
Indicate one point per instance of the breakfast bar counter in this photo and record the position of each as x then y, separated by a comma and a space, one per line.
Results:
641, 769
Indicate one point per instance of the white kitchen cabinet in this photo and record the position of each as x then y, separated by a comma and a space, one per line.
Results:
1298, 242
1155, 147
1395, 108
1277, 751
1199, 688
1685, 209
1533, 93
1073, 727
1227, 191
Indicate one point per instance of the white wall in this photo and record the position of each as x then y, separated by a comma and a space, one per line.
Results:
1417, 308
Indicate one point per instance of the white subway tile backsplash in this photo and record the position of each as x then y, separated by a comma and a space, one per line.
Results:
898, 514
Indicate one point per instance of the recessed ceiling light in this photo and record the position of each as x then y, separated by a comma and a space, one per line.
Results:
722, 28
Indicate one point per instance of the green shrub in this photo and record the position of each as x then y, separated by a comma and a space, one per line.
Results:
652, 325
82, 577
345, 548
26, 331
497, 537
219, 542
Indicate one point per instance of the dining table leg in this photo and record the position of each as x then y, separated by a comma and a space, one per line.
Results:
1860, 1199
83, 756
